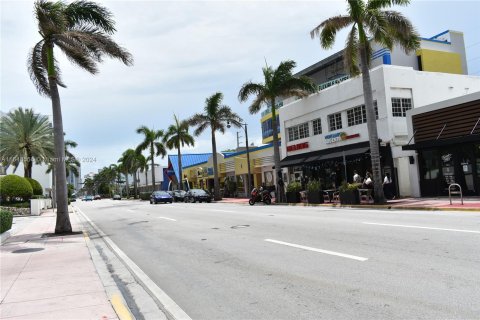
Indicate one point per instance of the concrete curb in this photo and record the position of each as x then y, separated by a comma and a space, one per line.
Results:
379, 207
164, 302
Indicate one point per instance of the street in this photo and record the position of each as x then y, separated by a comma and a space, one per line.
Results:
230, 261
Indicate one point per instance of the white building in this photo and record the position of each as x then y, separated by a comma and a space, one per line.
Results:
327, 132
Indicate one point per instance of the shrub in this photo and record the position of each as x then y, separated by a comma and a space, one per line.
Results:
24, 204
313, 186
12, 186
294, 186
145, 195
6, 219
349, 186
36, 186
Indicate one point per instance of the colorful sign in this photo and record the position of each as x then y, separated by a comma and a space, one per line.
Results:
298, 146
339, 136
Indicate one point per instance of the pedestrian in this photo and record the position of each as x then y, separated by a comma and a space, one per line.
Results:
388, 187
368, 182
356, 177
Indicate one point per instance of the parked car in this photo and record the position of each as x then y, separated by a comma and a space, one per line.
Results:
88, 198
160, 196
117, 197
194, 195
97, 197
179, 195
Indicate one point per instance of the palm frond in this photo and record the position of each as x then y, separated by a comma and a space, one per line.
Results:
402, 31
381, 4
379, 28
351, 52
248, 89
327, 30
201, 127
38, 70
356, 10
77, 54
50, 17
79, 13
160, 149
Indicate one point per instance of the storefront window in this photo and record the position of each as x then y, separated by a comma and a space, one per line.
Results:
430, 166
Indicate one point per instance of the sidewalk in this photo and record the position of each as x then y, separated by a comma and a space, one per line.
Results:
469, 204
50, 277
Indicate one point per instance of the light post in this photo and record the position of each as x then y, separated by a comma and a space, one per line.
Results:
244, 126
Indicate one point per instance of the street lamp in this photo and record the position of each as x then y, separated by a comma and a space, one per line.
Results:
244, 126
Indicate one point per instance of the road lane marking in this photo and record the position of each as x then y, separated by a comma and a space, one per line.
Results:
166, 218
219, 210
333, 253
167, 304
418, 227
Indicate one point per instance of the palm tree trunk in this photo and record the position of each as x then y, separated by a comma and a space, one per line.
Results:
180, 184
128, 187
27, 165
152, 154
63, 220
216, 187
372, 129
276, 157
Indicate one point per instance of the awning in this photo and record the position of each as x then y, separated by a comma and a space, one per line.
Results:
325, 154
442, 142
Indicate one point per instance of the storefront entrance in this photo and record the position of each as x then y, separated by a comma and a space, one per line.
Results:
443, 166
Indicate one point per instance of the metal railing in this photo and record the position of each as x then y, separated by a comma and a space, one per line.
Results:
459, 191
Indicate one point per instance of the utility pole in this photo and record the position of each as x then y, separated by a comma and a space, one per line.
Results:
238, 139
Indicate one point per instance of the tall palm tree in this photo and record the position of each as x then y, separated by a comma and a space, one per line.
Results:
143, 166
370, 21
82, 31
25, 136
177, 136
129, 162
153, 145
279, 83
216, 116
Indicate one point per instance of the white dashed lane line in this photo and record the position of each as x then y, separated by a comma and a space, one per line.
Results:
419, 227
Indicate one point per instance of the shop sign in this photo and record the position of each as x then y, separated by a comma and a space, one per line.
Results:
298, 146
339, 136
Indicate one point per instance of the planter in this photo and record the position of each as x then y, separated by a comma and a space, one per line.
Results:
315, 197
293, 197
349, 197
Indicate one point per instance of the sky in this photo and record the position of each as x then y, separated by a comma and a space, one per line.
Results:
184, 52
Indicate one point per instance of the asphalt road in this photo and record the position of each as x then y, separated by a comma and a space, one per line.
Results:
229, 261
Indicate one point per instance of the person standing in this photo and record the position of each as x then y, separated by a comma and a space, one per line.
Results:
387, 187
356, 177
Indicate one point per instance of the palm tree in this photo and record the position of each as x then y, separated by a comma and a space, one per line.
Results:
215, 116
143, 166
177, 136
279, 83
369, 20
129, 162
82, 31
151, 143
71, 162
25, 136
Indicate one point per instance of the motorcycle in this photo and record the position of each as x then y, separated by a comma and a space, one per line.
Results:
260, 195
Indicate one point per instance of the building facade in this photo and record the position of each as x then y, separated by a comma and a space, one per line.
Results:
446, 138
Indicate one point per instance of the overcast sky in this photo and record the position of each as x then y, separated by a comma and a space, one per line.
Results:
184, 52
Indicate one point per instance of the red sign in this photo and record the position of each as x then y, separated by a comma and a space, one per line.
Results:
299, 146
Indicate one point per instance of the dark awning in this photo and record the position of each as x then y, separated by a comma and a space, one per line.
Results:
325, 154
442, 142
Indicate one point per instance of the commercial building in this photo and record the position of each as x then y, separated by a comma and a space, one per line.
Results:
446, 138
325, 134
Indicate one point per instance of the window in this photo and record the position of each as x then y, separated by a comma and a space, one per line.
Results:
335, 121
298, 132
317, 126
358, 115
400, 106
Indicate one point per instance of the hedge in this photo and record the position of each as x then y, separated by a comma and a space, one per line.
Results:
36, 186
15, 186
145, 195
6, 219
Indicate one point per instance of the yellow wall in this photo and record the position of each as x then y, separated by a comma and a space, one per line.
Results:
440, 61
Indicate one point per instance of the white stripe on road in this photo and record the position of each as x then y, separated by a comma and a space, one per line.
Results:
418, 227
229, 211
166, 218
333, 253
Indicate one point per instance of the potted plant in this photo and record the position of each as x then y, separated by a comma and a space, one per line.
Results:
293, 192
349, 193
314, 192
